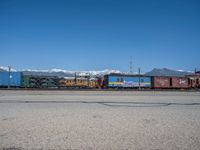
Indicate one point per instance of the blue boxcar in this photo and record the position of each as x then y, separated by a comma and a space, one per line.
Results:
14, 79
128, 81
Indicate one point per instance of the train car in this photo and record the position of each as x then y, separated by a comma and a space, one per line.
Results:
126, 81
78, 82
29, 81
82, 82
94, 82
72, 82
164, 82
160, 82
49, 82
179, 82
194, 81
12, 79
66, 82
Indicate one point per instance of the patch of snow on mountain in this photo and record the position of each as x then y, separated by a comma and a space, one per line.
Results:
34, 70
185, 71
79, 73
7, 68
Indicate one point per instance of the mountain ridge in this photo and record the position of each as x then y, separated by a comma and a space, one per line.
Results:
69, 73
168, 72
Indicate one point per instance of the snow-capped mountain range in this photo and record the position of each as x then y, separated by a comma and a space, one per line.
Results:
61, 72
106, 71
67, 73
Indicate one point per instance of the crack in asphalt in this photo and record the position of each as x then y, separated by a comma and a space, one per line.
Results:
105, 103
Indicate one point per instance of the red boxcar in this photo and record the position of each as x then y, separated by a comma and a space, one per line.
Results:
179, 82
160, 82
194, 81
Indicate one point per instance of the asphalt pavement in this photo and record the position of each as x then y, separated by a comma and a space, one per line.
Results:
99, 120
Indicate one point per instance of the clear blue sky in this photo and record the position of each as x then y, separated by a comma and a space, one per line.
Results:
100, 34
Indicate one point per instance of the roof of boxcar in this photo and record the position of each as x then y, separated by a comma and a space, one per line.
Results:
126, 75
194, 75
78, 78
197, 72
40, 76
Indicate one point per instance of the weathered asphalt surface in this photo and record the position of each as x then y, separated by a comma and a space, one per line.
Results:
99, 120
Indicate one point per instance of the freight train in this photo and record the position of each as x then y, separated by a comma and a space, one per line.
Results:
151, 82
110, 81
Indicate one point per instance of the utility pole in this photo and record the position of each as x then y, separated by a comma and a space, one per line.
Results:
139, 76
75, 77
131, 65
88, 80
9, 76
